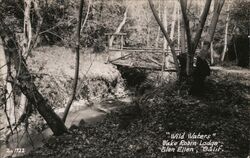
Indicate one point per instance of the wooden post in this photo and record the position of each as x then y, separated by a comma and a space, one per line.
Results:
110, 45
122, 40
109, 42
121, 46
108, 57
212, 53
163, 60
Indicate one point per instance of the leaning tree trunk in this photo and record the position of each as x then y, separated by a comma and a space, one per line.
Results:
172, 31
165, 42
24, 81
165, 24
193, 43
27, 39
166, 35
120, 26
212, 27
226, 35
27, 29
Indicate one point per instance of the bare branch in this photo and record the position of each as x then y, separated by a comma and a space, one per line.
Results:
77, 49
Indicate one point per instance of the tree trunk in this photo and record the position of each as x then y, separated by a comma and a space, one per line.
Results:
5, 70
166, 35
158, 29
26, 84
235, 51
211, 29
87, 15
39, 24
185, 19
212, 53
165, 43
226, 34
3, 64
29, 89
201, 24
27, 33
27, 29
77, 50
169, 57
182, 35
165, 24
202, 68
214, 3
193, 43
119, 27
173, 22
178, 28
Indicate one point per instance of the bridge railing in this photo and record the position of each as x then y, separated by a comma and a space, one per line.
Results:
129, 56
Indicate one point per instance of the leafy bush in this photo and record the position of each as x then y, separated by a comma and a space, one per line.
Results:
133, 76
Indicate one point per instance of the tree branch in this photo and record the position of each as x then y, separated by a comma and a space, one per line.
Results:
170, 42
211, 30
77, 49
201, 24
25, 83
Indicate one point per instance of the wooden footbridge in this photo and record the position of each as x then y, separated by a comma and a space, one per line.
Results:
141, 58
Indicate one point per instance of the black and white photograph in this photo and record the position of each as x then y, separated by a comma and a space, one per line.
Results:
124, 78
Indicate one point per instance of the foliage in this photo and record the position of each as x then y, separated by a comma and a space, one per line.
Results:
133, 76
222, 110
104, 17
240, 16
59, 20
12, 13
53, 75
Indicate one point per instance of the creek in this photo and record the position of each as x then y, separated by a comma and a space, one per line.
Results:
33, 139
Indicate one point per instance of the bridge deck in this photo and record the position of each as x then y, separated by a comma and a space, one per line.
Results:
146, 67
150, 59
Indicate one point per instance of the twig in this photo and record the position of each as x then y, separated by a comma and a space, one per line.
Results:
57, 25
27, 130
55, 34
3, 66
5, 111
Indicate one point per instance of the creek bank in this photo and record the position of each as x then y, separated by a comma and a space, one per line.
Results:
164, 110
100, 90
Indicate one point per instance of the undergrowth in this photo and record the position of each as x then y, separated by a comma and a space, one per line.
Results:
221, 111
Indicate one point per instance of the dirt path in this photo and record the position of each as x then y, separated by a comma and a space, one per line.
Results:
238, 71
233, 76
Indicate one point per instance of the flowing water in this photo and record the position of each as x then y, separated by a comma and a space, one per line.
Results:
23, 141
